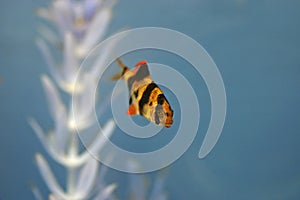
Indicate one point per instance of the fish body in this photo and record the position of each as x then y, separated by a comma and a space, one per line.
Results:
145, 97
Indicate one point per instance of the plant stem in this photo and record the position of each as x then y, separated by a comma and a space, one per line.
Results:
71, 171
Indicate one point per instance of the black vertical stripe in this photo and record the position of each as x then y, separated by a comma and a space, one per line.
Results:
135, 93
145, 97
125, 69
130, 100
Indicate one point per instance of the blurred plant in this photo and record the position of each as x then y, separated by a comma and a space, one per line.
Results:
138, 188
80, 26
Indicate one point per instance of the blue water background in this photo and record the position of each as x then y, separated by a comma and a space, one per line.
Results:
256, 47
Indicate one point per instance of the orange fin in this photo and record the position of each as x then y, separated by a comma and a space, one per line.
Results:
137, 66
131, 110
143, 62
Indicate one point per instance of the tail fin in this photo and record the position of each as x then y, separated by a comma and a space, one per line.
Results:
124, 69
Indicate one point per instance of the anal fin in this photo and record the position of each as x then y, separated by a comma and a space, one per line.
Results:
131, 110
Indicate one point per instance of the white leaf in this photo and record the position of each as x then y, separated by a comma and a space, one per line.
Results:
62, 11
39, 132
95, 30
137, 186
45, 13
54, 197
102, 172
56, 74
157, 189
36, 192
58, 112
45, 142
49, 35
99, 182
56, 106
49, 59
99, 142
78, 11
87, 178
90, 7
106, 192
48, 176
70, 64
84, 102
61, 134
102, 58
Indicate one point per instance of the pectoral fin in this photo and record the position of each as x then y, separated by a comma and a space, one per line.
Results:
131, 110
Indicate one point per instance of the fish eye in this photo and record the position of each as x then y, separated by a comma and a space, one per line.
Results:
160, 99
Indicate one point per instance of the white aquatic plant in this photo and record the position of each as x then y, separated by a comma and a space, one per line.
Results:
78, 26
139, 189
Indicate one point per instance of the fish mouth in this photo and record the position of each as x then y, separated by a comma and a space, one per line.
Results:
168, 124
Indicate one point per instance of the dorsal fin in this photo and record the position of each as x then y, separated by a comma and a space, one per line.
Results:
140, 74
141, 70
143, 62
